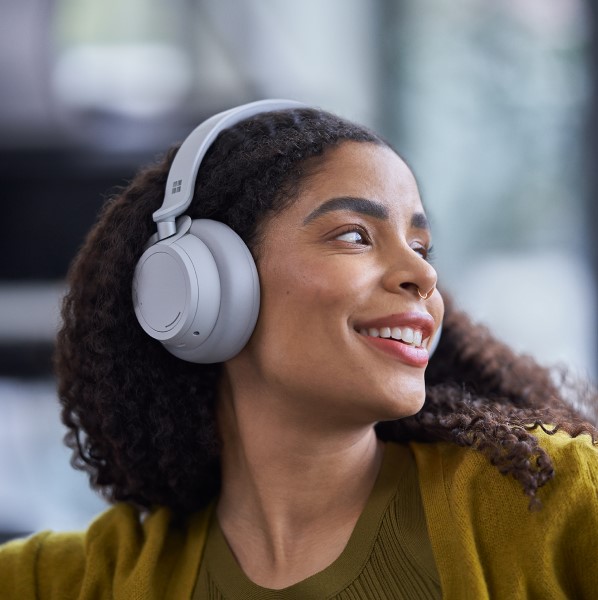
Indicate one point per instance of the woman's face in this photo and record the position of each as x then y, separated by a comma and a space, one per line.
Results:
340, 270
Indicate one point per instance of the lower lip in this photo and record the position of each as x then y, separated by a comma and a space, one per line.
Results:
414, 357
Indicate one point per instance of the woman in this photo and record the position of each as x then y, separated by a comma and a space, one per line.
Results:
317, 462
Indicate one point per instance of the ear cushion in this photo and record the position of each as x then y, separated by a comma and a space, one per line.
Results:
239, 295
435, 341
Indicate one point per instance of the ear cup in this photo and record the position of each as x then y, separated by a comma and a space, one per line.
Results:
203, 308
176, 291
239, 298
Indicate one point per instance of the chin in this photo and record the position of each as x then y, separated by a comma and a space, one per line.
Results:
401, 407
407, 405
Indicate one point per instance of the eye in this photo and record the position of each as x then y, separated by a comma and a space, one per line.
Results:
426, 252
353, 235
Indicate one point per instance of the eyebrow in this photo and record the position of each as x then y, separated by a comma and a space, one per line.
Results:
420, 221
358, 205
363, 206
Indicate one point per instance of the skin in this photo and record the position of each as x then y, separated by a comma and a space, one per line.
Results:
308, 378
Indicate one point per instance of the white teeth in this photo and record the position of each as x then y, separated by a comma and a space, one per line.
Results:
425, 342
406, 334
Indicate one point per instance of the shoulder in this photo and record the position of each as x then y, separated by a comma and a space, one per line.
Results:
482, 517
578, 455
465, 477
121, 552
34, 567
55, 565
452, 471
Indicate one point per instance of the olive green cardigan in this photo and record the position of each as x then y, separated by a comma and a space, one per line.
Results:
486, 542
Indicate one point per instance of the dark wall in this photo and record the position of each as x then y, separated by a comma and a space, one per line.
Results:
50, 199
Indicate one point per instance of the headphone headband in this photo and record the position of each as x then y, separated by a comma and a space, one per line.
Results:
183, 171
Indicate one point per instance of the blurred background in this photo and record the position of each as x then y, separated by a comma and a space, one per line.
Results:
493, 105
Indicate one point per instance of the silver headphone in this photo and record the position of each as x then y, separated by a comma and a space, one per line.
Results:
196, 287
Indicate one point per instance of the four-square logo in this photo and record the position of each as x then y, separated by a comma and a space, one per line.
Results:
176, 186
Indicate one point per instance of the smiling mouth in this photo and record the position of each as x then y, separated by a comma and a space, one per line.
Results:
405, 335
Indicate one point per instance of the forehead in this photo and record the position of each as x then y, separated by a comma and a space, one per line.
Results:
362, 170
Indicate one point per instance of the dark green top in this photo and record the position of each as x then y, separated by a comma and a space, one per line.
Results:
388, 555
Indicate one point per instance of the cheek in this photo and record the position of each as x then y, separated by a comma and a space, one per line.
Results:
318, 291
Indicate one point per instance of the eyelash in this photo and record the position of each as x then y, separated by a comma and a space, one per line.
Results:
427, 253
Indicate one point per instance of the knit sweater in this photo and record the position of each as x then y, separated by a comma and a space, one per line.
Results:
486, 542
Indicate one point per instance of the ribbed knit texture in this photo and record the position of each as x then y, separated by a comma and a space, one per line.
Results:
388, 555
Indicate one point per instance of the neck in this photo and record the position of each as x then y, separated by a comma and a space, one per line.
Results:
291, 492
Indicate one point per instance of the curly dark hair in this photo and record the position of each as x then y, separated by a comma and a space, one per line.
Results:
142, 423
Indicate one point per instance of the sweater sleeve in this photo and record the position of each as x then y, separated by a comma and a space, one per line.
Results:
121, 556
46, 565
486, 541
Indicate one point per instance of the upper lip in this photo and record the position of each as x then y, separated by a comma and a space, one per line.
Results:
423, 322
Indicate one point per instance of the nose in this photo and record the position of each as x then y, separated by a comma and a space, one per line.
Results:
411, 273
